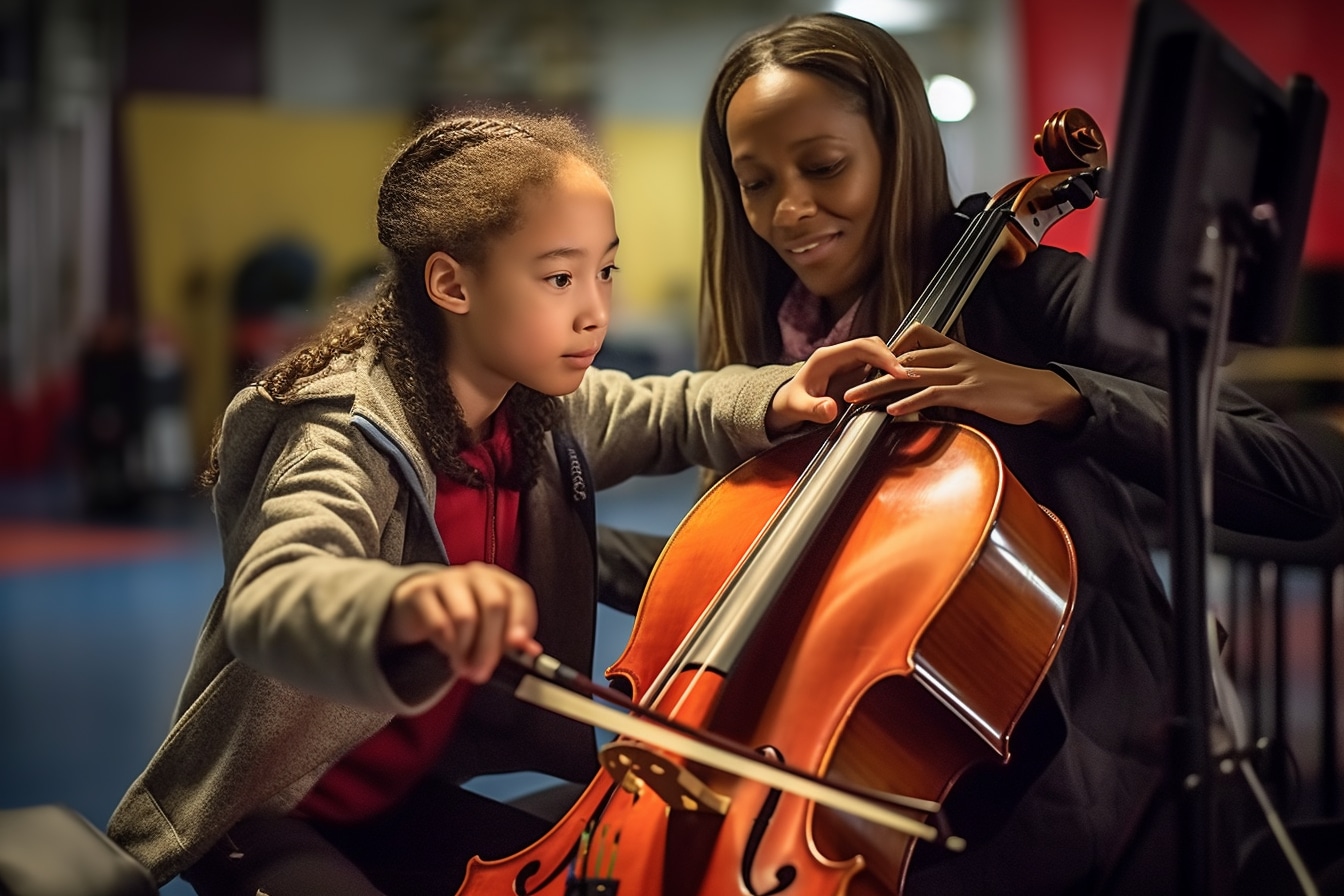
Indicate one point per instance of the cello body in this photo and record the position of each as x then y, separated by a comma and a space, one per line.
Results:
875, 605
914, 664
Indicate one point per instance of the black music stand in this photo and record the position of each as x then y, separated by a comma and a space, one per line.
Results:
1201, 241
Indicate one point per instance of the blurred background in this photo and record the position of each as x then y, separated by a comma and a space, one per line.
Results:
187, 187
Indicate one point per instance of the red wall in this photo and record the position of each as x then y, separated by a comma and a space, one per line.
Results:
1076, 54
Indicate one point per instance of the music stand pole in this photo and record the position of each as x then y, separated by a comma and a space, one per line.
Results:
1194, 356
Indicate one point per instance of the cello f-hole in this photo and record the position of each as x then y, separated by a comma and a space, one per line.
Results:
530, 869
785, 876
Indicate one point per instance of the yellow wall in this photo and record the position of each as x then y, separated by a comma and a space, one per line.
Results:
656, 188
211, 180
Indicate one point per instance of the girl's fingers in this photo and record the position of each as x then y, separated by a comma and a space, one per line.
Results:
470, 613
492, 605
883, 385
913, 403
460, 603
917, 338
431, 621
529, 646
826, 362
507, 614
820, 411
874, 353
931, 357
522, 618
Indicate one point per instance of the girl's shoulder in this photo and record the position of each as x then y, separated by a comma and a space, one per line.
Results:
334, 386
340, 376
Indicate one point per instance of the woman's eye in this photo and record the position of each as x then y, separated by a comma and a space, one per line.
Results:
824, 170
607, 272
750, 182
560, 281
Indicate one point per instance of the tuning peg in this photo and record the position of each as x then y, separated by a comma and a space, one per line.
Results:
1078, 191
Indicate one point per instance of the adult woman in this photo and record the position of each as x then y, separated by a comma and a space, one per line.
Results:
826, 211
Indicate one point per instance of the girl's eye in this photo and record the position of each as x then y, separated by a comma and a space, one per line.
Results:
560, 281
751, 186
607, 272
824, 170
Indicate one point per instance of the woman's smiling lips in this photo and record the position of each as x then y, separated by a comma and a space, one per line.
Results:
810, 249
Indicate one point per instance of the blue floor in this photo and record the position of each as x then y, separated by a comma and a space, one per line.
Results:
92, 655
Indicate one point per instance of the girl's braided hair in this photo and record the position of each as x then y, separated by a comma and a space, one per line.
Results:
456, 186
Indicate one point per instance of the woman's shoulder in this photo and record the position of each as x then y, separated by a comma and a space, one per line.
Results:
1047, 274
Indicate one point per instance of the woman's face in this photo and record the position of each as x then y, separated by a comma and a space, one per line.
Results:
809, 171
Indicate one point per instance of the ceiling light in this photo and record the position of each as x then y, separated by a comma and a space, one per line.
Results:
901, 16
950, 98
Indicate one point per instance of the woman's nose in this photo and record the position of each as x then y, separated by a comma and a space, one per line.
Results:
794, 204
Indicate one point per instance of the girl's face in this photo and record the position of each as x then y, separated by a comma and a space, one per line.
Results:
809, 171
538, 306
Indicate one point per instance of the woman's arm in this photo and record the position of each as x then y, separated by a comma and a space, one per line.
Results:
1266, 480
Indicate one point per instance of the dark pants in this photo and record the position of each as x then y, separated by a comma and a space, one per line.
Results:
419, 848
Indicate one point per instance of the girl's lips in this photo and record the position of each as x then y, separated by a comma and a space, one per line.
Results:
581, 359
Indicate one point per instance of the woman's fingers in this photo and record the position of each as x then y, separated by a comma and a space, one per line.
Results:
918, 337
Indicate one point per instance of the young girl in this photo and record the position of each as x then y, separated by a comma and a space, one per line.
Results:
329, 713
827, 210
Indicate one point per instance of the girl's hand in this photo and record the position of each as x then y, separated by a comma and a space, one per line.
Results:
945, 373
811, 396
472, 613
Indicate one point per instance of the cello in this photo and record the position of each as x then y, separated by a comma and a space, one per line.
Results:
838, 630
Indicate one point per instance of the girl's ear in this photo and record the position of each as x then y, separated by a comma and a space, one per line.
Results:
445, 281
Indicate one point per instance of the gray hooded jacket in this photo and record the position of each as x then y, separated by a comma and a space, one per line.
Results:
324, 504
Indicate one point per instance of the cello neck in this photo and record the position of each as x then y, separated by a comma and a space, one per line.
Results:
1011, 226
942, 300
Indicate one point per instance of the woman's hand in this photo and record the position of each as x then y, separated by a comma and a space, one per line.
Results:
948, 374
812, 395
472, 613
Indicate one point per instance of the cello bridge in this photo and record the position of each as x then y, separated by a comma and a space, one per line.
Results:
632, 765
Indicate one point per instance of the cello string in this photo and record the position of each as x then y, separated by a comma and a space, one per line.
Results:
547, 695
758, 580
943, 295
715, 653
938, 306
952, 269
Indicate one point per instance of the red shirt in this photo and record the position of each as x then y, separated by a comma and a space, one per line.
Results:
476, 524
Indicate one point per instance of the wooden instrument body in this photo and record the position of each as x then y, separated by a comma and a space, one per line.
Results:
917, 619
906, 656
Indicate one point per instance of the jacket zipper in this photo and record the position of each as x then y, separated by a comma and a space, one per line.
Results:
492, 545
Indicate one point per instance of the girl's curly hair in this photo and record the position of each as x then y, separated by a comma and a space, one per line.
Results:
456, 185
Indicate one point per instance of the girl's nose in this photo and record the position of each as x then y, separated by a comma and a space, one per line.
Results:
596, 311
